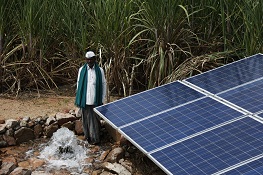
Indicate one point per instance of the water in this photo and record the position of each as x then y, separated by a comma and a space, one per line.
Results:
65, 151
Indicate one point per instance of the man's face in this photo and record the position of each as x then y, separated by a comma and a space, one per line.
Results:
91, 61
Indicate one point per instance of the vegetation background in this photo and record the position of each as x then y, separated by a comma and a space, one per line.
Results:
140, 44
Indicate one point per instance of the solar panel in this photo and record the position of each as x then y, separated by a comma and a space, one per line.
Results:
215, 150
230, 75
254, 167
211, 123
147, 103
178, 123
260, 115
248, 96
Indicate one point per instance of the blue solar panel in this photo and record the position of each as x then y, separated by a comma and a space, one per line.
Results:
252, 168
261, 115
249, 96
147, 103
215, 150
185, 132
179, 123
230, 75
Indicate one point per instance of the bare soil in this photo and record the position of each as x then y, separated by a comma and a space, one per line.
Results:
34, 105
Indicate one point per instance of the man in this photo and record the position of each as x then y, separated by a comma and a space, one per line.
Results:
91, 92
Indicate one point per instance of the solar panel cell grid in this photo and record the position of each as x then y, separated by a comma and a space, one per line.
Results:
252, 168
213, 156
179, 123
230, 75
249, 96
147, 103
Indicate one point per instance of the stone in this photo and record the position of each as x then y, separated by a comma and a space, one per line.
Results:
23, 123
10, 159
10, 140
11, 123
38, 130
41, 173
127, 164
26, 119
2, 121
3, 144
104, 155
49, 130
64, 118
2, 128
69, 125
115, 155
35, 163
106, 173
31, 124
115, 167
78, 112
21, 171
10, 132
24, 134
24, 164
78, 127
7, 168
50, 120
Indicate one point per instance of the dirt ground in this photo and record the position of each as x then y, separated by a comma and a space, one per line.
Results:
31, 105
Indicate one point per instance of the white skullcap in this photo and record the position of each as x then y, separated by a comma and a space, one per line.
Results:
90, 54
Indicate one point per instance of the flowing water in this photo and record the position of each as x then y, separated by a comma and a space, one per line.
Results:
65, 151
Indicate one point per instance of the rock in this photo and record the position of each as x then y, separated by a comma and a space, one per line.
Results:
35, 163
69, 125
11, 123
23, 123
26, 119
10, 159
41, 173
38, 130
24, 135
72, 112
3, 144
31, 124
106, 173
115, 155
50, 120
104, 155
21, 171
64, 118
49, 130
10, 140
115, 167
2, 128
7, 168
78, 127
78, 112
10, 132
127, 164
24, 164
2, 121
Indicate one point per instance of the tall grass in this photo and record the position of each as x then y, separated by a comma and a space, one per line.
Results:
110, 24
143, 43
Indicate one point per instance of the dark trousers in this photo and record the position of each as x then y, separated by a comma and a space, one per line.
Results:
91, 124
